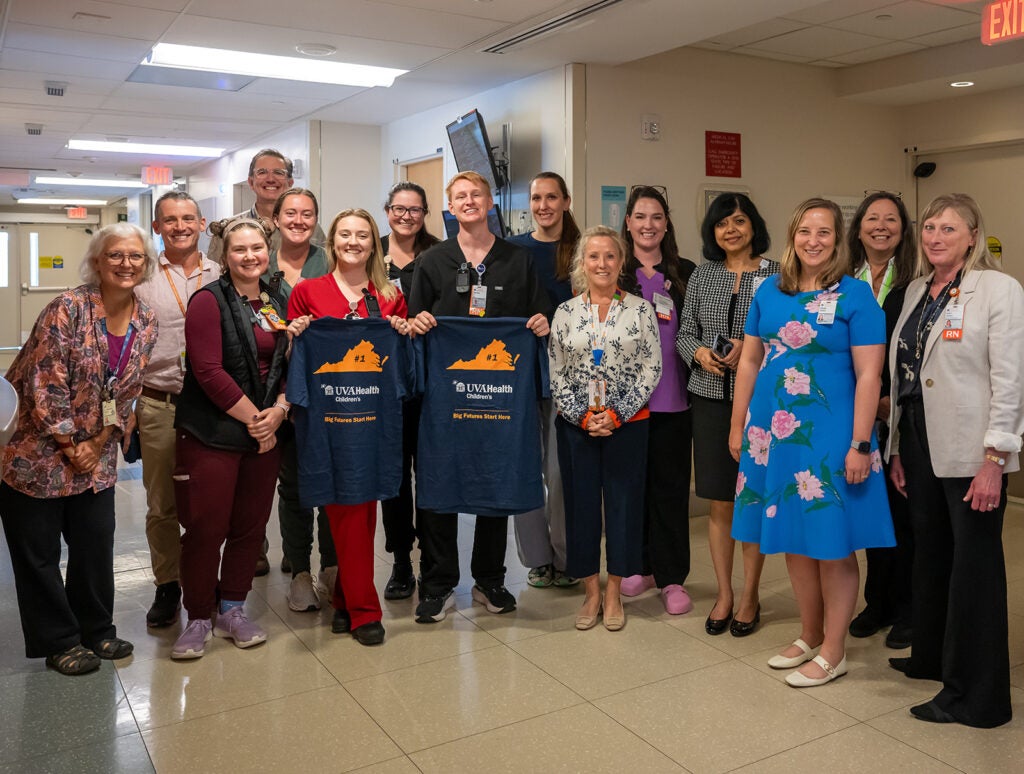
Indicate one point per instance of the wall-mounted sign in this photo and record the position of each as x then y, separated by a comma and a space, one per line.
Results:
995, 247
157, 175
77, 213
613, 205
1001, 21
722, 154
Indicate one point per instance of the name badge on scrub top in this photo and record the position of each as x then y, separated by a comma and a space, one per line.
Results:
953, 327
596, 394
478, 300
827, 311
662, 306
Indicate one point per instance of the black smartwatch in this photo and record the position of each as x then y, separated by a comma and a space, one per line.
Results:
864, 447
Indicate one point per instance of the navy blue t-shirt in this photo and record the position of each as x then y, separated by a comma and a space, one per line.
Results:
479, 441
346, 379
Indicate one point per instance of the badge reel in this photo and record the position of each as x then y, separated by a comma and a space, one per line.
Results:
109, 404
596, 388
953, 326
478, 296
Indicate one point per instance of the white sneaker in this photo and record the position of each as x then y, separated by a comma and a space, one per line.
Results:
325, 581
301, 594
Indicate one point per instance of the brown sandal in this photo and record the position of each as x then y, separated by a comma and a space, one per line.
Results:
77, 660
113, 649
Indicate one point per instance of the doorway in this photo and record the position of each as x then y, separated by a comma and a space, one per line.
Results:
429, 174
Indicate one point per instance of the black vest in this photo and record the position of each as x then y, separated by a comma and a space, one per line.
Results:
195, 412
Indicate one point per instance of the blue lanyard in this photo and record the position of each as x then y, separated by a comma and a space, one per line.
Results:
125, 345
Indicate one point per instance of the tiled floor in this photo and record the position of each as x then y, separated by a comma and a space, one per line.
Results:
479, 693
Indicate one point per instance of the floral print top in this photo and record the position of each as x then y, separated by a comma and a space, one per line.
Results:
630, 365
59, 377
791, 491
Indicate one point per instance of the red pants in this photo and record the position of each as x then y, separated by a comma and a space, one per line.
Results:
223, 498
353, 527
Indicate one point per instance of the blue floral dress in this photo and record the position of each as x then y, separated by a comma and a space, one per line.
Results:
791, 491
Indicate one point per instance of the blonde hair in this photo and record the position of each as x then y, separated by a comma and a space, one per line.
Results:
790, 266
963, 205
376, 269
473, 177
578, 274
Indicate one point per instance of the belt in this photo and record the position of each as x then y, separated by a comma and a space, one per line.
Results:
166, 397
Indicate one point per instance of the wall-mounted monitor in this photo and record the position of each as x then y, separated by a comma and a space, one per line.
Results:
472, 150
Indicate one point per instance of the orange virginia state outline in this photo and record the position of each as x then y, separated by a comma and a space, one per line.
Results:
360, 358
493, 357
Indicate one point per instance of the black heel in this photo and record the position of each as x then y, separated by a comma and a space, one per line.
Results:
717, 625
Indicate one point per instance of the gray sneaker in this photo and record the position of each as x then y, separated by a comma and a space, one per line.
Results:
301, 594
325, 581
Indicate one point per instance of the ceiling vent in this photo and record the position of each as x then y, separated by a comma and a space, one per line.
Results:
55, 88
551, 26
34, 129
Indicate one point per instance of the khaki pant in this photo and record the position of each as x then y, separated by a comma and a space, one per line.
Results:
156, 431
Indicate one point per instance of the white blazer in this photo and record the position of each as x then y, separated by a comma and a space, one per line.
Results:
973, 389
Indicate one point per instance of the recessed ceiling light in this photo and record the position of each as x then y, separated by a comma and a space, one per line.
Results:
884, 17
316, 49
91, 182
145, 148
961, 84
268, 66
78, 202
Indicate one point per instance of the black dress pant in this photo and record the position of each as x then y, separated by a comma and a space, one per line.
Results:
397, 514
58, 614
960, 618
439, 551
666, 552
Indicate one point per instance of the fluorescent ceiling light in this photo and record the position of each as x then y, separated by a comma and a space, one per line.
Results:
144, 148
91, 182
73, 202
268, 66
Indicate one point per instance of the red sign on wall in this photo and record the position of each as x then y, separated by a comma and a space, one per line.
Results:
1001, 21
722, 154
156, 175
77, 213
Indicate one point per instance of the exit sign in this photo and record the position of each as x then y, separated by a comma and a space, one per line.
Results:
156, 175
77, 213
1002, 21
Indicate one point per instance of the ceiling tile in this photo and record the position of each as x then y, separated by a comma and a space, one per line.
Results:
955, 35
500, 10
907, 20
56, 65
49, 40
817, 43
777, 55
835, 9
746, 36
895, 48
87, 16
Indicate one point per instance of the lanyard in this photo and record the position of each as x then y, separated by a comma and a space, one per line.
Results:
170, 281
125, 346
931, 309
597, 342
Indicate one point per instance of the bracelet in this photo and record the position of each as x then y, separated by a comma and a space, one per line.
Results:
1000, 461
285, 407
64, 444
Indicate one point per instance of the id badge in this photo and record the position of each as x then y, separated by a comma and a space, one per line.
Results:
827, 311
663, 306
181, 361
110, 413
262, 320
270, 315
397, 282
478, 300
953, 327
758, 281
596, 394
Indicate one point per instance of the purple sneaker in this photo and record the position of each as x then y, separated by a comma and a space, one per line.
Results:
235, 626
635, 585
677, 601
191, 643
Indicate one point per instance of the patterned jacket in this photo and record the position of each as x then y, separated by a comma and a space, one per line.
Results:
59, 376
705, 315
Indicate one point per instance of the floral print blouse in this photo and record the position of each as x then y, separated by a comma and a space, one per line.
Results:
59, 376
630, 365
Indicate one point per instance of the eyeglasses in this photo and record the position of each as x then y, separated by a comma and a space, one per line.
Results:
400, 211
116, 259
872, 191
281, 173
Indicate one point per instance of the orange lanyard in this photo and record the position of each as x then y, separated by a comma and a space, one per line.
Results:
167, 275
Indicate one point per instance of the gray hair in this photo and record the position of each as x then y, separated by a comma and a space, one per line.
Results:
98, 246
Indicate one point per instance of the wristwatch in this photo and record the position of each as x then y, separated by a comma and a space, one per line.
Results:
864, 447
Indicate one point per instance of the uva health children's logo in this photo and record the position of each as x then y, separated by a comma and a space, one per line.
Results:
360, 359
494, 357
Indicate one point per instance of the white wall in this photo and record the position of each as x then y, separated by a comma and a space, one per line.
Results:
535, 109
350, 170
798, 139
